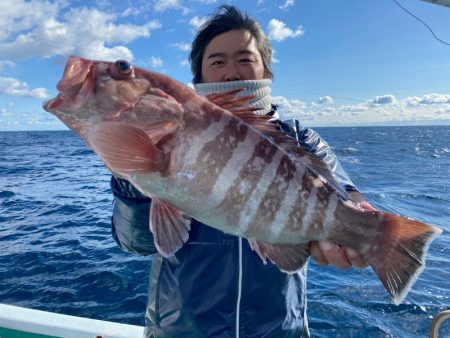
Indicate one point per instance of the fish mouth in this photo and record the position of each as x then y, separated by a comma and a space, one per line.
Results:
75, 86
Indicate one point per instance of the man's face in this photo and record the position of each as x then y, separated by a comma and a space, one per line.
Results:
232, 56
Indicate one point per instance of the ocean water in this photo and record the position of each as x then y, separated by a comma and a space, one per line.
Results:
58, 254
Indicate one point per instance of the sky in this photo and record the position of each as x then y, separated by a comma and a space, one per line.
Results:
336, 63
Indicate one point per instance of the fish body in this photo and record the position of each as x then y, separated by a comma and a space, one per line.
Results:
212, 159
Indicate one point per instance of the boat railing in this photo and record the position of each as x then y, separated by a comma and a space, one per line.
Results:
437, 321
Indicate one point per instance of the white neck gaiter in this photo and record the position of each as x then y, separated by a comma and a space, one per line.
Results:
260, 89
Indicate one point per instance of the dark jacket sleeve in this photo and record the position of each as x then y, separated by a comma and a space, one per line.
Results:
313, 143
130, 220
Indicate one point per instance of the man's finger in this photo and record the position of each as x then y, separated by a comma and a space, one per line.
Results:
317, 254
355, 258
334, 254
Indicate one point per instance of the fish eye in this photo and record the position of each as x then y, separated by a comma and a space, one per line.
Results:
124, 67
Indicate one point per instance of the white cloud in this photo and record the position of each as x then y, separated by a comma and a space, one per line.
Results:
13, 87
6, 63
197, 21
156, 62
164, 5
287, 4
19, 15
435, 108
31, 121
383, 100
42, 29
185, 63
428, 99
183, 46
274, 59
289, 108
4, 112
325, 100
279, 32
130, 11
39, 93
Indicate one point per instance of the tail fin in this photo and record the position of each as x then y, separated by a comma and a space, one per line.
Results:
399, 257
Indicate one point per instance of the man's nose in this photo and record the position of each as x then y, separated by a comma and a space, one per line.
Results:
232, 74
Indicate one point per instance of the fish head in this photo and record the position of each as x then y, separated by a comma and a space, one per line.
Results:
107, 102
96, 90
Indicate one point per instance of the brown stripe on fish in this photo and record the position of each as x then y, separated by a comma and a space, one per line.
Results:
294, 225
215, 154
270, 204
317, 213
248, 213
288, 205
238, 169
196, 138
329, 218
327, 201
246, 185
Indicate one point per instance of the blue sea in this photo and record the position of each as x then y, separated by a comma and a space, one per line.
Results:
57, 253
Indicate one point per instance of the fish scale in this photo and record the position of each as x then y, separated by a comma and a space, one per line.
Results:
271, 203
266, 173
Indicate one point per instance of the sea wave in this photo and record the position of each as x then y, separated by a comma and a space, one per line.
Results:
58, 253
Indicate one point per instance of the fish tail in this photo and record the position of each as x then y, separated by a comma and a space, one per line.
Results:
399, 256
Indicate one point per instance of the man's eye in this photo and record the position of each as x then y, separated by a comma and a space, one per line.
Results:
245, 60
217, 62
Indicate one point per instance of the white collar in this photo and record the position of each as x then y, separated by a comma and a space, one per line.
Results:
260, 89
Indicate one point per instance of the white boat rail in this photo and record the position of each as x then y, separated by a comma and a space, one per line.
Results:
32, 321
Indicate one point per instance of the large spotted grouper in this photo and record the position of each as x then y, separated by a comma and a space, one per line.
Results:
212, 159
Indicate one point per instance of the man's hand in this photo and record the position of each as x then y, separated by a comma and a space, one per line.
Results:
328, 253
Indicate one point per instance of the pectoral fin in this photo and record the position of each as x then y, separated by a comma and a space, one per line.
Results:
170, 227
126, 149
287, 257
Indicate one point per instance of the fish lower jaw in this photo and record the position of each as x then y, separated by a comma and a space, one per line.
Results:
53, 104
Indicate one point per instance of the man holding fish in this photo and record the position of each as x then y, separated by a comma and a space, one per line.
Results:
216, 285
229, 200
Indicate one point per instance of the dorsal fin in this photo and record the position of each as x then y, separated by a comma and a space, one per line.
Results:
229, 101
237, 106
290, 144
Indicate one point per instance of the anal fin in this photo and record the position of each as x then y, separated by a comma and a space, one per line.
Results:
287, 257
